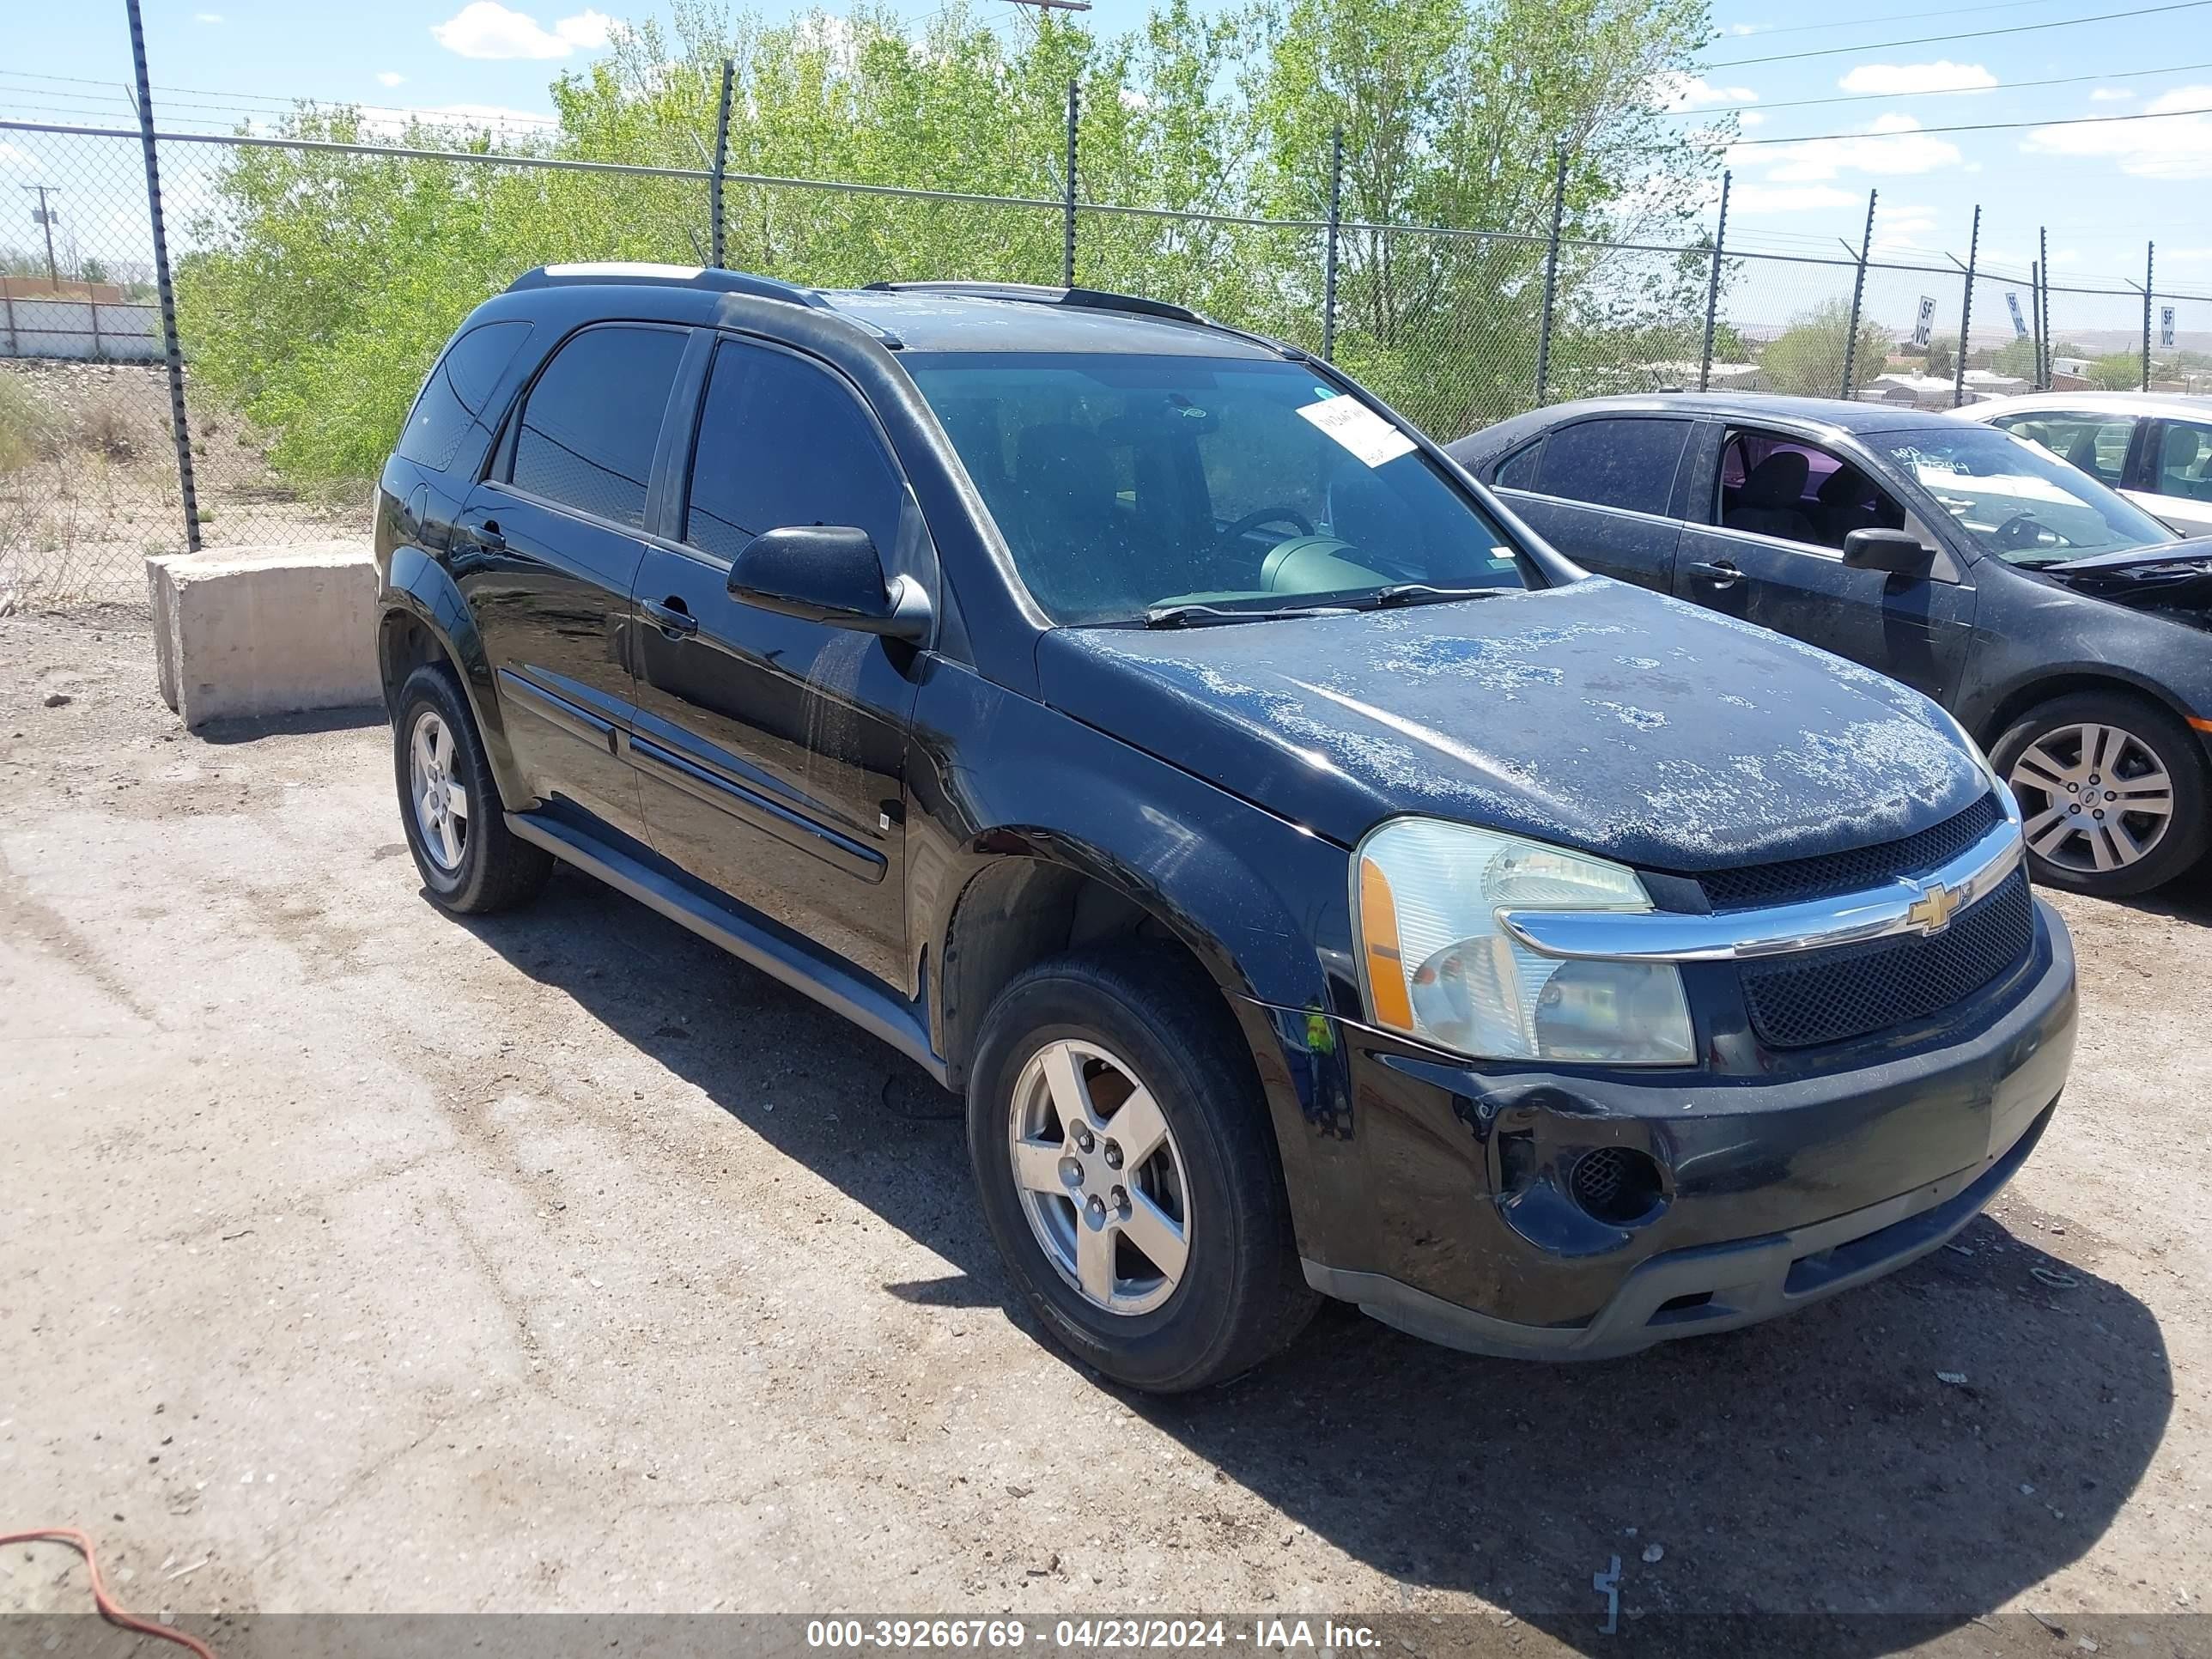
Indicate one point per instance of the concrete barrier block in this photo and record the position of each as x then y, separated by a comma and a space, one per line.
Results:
265, 630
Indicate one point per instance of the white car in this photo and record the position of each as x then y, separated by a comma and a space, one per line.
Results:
2153, 448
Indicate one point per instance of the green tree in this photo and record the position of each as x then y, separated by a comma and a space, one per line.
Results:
1458, 112
2120, 371
1808, 359
2016, 356
322, 282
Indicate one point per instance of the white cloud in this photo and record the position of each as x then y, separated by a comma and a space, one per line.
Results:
390, 78
1745, 28
1678, 91
15, 158
1794, 198
207, 17
2177, 146
1902, 80
1890, 144
1750, 118
2110, 95
485, 28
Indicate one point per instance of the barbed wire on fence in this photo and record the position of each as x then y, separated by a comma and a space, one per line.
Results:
315, 280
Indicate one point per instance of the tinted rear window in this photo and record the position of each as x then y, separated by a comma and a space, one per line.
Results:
452, 399
591, 422
1618, 463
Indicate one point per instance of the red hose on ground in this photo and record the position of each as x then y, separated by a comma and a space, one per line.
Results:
108, 1609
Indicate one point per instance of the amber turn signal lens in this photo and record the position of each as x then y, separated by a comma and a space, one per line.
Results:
1386, 967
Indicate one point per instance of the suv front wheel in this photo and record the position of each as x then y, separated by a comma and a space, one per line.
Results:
1128, 1172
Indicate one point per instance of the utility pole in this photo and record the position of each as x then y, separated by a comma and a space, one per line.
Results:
44, 215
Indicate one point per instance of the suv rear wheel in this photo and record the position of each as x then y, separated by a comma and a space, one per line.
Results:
471, 863
2111, 792
1128, 1172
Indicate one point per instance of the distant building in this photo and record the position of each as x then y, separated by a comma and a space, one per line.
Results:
1723, 377
1909, 390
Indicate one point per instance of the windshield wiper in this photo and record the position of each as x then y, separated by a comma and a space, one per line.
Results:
1198, 616
1425, 593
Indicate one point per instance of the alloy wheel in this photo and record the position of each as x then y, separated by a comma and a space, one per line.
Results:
2093, 797
1101, 1179
441, 802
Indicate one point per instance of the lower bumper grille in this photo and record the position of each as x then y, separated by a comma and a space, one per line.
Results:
1826, 996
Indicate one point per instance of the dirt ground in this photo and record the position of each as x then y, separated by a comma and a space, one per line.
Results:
355, 1260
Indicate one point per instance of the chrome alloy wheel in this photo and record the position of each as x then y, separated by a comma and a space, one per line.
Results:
441, 804
2092, 798
1102, 1181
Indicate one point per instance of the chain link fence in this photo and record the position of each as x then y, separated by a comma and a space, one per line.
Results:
315, 280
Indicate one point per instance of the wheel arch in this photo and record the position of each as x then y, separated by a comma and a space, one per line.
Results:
1030, 897
422, 619
2011, 704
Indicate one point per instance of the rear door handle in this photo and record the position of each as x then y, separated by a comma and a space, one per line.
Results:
1719, 573
670, 616
486, 535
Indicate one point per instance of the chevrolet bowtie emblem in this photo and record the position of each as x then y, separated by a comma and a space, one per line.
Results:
1931, 912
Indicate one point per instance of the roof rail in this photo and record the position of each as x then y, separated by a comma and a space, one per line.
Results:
1091, 299
698, 276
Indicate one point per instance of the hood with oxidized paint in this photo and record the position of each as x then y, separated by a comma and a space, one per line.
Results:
1593, 715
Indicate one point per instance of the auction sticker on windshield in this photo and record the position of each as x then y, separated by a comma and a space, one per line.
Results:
1359, 428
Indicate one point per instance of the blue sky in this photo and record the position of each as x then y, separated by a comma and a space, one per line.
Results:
2101, 190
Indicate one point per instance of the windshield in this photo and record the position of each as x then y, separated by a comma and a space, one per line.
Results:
1136, 486
2017, 501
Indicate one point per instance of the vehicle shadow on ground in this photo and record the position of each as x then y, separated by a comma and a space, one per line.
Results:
2187, 898
1922, 1449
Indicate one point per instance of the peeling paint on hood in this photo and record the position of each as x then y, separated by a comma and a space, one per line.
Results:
1593, 715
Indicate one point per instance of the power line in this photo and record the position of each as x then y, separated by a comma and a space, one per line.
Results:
1964, 126
1937, 92
1968, 34
1895, 17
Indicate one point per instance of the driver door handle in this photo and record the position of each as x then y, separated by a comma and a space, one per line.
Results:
671, 618
1719, 573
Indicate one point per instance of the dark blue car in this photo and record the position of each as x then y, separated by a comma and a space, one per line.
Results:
1313, 883
2065, 627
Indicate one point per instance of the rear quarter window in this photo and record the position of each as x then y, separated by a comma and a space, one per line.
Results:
1615, 463
452, 400
1518, 470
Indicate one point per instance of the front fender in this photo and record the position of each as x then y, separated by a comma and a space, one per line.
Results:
419, 588
993, 778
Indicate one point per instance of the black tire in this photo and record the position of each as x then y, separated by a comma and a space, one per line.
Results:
495, 870
2158, 734
1241, 1297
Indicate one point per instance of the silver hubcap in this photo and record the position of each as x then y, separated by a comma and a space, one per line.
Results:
1101, 1179
441, 804
2092, 798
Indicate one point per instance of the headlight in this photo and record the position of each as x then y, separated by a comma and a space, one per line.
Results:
1426, 896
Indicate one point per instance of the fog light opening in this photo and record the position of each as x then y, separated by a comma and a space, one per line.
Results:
1615, 1185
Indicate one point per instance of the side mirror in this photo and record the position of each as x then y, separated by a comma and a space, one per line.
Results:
1895, 552
829, 574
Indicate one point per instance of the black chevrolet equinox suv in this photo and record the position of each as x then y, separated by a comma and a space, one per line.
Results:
1314, 882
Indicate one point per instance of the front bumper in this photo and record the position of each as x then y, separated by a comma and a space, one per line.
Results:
1440, 1196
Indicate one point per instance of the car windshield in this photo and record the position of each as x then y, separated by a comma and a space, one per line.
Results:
2017, 501
1186, 488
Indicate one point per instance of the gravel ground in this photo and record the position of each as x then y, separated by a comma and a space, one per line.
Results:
356, 1260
